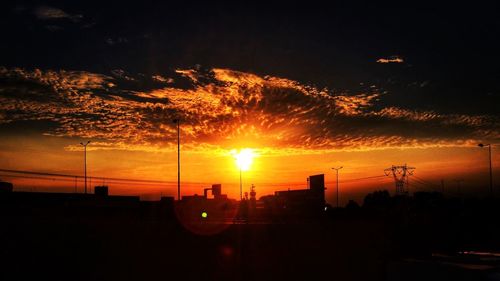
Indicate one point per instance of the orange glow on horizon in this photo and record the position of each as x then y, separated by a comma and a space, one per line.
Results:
269, 170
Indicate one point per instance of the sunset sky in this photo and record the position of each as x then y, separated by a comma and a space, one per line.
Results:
307, 88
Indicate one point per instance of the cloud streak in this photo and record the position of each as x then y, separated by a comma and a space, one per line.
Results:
391, 59
221, 109
51, 13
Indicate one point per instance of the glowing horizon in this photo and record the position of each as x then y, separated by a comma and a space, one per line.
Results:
297, 130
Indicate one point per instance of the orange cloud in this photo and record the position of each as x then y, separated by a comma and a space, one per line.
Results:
224, 108
392, 59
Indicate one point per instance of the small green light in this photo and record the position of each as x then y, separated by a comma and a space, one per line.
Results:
204, 214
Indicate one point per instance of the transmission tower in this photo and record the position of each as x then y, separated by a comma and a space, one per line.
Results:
400, 174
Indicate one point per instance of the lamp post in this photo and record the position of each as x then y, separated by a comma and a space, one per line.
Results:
85, 162
240, 162
243, 159
337, 170
178, 122
241, 187
491, 171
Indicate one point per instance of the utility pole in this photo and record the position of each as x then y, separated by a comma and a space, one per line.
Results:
491, 170
337, 170
400, 174
178, 121
85, 162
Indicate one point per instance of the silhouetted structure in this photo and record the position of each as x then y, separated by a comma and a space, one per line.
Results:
400, 174
178, 122
6, 186
491, 170
85, 161
253, 200
389, 238
298, 202
337, 172
101, 190
68, 200
202, 208
216, 190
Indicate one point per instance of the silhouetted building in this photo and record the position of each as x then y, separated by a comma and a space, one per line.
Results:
6, 186
196, 207
68, 200
101, 190
216, 190
253, 201
167, 200
299, 202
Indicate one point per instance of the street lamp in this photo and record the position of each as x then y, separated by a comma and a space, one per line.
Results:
85, 162
243, 160
337, 170
241, 187
178, 122
491, 171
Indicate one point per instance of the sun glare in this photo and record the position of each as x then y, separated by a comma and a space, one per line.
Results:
244, 158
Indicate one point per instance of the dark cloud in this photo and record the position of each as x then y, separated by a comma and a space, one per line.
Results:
222, 107
114, 41
334, 45
52, 13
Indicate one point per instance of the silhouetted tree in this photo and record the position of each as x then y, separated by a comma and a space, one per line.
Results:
352, 205
378, 200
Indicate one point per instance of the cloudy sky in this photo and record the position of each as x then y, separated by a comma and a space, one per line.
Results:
307, 87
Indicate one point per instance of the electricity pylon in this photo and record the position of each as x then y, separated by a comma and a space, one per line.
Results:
400, 174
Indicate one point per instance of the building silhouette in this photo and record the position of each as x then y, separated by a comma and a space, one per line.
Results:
301, 202
212, 206
101, 190
6, 186
205, 208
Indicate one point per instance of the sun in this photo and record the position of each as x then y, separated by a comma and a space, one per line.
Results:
244, 158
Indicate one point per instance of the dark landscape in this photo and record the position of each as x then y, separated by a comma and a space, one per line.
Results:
87, 237
257, 140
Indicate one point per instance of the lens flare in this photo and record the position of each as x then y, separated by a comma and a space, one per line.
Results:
244, 158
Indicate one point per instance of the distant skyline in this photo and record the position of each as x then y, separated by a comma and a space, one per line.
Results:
306, 87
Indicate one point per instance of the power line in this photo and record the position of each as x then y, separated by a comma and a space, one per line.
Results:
302, 184
124, 181
360, 179
73, 176
433, 186
94, 178
426, 182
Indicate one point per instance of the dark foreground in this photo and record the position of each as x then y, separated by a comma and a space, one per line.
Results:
145, 241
